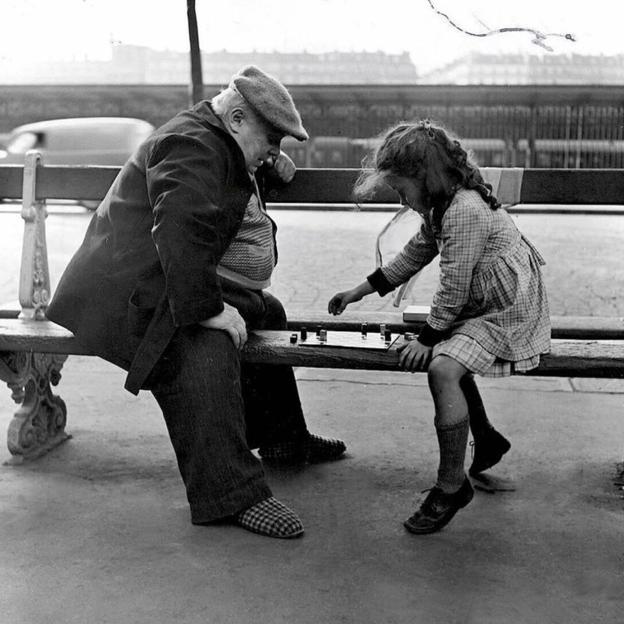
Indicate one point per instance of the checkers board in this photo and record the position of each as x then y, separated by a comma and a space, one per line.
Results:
349, 340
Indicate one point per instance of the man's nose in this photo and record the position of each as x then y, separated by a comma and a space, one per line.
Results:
273, 154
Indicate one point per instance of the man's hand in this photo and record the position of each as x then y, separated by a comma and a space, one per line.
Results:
229, 321
414, 356
284, 167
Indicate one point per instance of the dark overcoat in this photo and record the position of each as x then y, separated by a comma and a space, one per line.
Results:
148, 261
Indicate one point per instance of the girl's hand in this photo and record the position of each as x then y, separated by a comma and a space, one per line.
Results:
341, 300
414, 356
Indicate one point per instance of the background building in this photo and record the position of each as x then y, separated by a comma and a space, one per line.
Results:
522, 69
130, 64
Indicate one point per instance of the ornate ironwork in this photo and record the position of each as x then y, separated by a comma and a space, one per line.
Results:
34, 290
39, 423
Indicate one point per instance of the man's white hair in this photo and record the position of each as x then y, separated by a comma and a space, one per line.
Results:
228, 99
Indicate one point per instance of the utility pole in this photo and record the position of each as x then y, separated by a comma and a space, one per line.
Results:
197, 84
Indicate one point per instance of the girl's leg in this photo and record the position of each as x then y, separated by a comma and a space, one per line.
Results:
452, 490
489, 444
451, 420
479, 422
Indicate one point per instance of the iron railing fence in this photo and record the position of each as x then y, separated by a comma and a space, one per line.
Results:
517, 125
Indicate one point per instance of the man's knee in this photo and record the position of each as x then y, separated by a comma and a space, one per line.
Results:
275, 315
197, 354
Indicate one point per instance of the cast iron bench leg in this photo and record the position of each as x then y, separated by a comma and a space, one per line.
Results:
39, 423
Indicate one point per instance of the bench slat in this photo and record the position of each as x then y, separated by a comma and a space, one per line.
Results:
572, 186
11, 177
74, 182
273, 347
539, 186
39, 336
569, 327
328, 186
567, 358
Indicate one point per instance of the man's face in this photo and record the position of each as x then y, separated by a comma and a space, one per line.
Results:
258, 141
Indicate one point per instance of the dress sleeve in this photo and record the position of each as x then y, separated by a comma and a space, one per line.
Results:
465, 231
419, 251
186, 180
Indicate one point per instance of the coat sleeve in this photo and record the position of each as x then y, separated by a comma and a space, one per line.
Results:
186, 180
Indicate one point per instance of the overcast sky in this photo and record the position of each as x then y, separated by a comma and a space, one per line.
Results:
36, 29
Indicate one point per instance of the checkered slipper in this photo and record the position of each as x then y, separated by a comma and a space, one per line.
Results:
270, 518
313, 449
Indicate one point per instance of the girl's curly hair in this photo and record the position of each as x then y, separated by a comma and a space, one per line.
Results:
428, 151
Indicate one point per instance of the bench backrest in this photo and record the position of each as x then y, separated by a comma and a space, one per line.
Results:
333, 186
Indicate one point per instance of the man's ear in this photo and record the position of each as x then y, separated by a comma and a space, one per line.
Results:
235, 119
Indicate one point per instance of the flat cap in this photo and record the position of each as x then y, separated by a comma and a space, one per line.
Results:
270, 100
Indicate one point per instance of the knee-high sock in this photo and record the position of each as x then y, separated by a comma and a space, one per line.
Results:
452, 441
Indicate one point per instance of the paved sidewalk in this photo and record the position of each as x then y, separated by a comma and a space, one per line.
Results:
98, 531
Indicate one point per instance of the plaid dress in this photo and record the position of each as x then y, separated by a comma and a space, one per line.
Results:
490, 299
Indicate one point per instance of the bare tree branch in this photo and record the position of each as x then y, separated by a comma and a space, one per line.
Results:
539, 37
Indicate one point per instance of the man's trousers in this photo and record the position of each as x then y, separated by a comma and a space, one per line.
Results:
217, 409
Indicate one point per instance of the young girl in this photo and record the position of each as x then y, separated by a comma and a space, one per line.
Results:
489, 314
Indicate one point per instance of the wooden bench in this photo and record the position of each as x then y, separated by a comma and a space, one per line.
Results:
33, 350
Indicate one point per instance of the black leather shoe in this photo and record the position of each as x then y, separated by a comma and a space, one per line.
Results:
488, 451
313, 449
438, 509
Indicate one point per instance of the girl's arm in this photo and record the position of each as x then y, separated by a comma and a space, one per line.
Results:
419, 251
342, 299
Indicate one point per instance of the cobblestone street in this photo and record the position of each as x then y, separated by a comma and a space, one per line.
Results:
324, 252
321, 253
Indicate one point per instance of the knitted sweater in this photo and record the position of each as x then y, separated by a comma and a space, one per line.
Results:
250, 258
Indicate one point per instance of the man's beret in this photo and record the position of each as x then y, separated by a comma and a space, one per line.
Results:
270, 99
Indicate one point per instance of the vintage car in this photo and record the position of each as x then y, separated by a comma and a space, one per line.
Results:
77, 141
